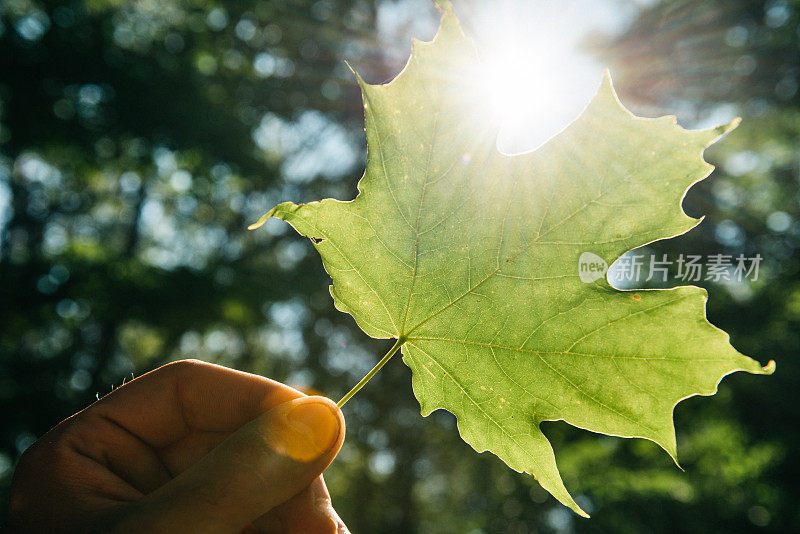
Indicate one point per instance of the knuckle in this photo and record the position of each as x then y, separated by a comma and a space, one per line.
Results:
184, 367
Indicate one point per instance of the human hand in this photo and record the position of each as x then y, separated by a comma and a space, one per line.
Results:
189, 447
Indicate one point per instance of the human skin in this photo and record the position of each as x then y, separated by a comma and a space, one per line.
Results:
188, 447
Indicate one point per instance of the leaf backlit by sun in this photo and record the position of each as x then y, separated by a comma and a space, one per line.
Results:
468, 258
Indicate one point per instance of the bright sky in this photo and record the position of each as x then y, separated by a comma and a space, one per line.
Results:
538, 74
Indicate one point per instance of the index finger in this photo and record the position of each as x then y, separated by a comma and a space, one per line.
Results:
165, 405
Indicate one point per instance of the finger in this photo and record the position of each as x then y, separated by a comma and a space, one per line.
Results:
260, 466
98, 438
308, 512
166, 405
156, 426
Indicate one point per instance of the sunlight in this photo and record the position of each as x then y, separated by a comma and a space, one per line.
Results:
533, 74
531, 94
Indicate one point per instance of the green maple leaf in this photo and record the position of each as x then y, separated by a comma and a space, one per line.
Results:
469, 259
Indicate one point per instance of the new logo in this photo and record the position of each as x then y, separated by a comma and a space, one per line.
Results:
591, 267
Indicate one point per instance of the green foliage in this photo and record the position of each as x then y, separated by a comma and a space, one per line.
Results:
469, 258
90, 289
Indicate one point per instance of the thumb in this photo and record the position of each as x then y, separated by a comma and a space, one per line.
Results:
263, 464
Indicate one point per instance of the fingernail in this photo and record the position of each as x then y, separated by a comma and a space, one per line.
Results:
322, 502
313, 429
326, 508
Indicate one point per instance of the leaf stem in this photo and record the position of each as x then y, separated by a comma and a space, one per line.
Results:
372, 372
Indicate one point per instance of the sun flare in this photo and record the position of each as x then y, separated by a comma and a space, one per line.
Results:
534, 80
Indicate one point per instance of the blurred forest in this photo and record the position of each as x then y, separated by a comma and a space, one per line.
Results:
139, 138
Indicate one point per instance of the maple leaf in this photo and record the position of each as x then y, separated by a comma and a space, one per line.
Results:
469, 259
